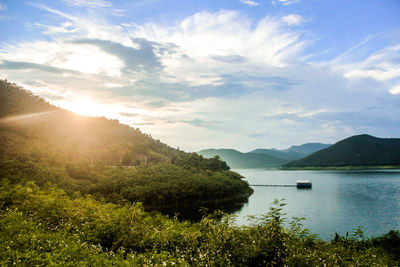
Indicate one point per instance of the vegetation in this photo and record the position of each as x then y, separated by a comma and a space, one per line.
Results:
360, 150
67, 198
47, 227
16, 100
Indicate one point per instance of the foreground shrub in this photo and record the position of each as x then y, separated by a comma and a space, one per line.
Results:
47, 227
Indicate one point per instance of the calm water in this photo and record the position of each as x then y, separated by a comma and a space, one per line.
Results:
339, 201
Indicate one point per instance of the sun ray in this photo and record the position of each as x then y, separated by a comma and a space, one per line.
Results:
25, 116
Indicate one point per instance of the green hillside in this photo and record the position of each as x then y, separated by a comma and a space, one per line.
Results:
102, 157
239, 160
15, 100
359, 150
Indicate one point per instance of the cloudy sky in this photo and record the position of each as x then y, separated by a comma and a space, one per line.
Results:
225, 74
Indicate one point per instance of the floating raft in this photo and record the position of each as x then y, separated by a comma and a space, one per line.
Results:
299, 184
275, 185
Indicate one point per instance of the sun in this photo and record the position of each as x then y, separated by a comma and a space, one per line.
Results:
86, 107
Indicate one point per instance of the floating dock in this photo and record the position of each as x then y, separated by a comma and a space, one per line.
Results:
299, 184
275, 185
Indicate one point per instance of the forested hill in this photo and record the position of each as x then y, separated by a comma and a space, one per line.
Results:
359, 150
237, 159
15, 100
101, 157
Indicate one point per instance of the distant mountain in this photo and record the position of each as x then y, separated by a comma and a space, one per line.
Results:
262, 158
294, 152
276, 153
359, 150
237, 159
306, 149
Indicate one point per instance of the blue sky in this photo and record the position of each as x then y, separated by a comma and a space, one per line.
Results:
198, 74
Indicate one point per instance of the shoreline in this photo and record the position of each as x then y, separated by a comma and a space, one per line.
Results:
344, 168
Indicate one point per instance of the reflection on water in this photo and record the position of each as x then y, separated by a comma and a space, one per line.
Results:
195, 212
339, 201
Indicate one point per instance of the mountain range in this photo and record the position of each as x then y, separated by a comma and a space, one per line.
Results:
263, 158
355, 151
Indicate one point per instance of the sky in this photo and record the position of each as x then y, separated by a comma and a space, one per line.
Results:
235, 74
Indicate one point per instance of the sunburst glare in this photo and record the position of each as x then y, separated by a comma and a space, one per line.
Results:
85, 106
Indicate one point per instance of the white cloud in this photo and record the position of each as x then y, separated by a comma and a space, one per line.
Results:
209, 44
88, 3
284, 2
66, 27
81, 27
395, 90
249, 2
87, 59
377, 73
381, 66
55, 11
113, 85
209, 75
82, 58
293, 19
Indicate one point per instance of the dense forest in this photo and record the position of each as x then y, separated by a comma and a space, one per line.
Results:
360, 150
72, 188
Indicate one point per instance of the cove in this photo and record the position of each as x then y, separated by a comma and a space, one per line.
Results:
339, 201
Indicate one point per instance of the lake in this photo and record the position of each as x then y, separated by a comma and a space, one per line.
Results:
339, 201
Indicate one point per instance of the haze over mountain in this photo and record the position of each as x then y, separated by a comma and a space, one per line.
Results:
294, 152
239, 160
358, 150
262, 158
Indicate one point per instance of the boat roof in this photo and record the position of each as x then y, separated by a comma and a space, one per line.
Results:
303, 181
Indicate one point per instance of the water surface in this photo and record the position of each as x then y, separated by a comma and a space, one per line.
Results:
339, 201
